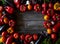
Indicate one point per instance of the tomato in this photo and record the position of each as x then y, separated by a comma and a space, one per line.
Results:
37, 7
3, 39
0, 14
43, 12
50, 12
44, 5
49, 31
4, 34
1, 8
22, 8
56, 17
55, 30
6, 20
17, 3
16, 35
11, 23
35, 36
53, 36
46, 17
50, 5
47, 24
29, 7
28, 38
13, 43
22, 37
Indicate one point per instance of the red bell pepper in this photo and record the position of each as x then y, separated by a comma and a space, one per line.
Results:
9, 9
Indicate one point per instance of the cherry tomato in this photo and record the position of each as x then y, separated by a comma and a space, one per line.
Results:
6, 20
16, 35
1, 8
53, 36
29, 7
22, 8
4, 33
28, 38
49, 31
46, 17
11, 23
22, 37
35, 36
37, 7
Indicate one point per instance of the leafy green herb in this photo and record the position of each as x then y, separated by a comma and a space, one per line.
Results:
58, 41
3, 1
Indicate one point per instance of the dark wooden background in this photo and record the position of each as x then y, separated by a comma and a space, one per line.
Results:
30, 22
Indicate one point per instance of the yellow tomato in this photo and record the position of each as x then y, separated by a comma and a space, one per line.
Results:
13, 43
46, 17
29, 7
0, 39
3, 39
49, 31
6, 20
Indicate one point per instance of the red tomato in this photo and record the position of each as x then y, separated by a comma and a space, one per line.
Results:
22, 37
28, 38
35, 36
50, 5
16, 35
53, 36
1, 8
4, 33
11, 23
44, 5
37, 7
22, 8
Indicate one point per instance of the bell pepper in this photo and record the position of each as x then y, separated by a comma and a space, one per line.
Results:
57, 6
9, 9
10, 30
9, 40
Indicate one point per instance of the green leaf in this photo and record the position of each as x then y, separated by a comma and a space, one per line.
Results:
58, 41
1, 43
3, 1
45, 41
49, 41
47, 0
